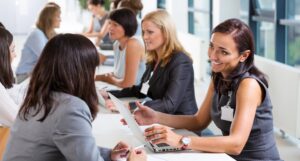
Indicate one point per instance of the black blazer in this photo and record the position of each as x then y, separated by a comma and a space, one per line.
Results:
171, 87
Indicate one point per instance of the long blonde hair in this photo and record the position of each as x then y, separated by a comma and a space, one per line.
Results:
45, 20
163, 20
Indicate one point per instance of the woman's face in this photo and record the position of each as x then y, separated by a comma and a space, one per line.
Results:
116, 31
223, 54
94, 9
56, 20
153, 36
12, 51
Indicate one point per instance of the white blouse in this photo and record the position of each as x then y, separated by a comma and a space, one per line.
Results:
10, 101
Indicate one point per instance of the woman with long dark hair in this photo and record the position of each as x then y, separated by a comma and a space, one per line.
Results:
55, 120
237, 101
8, 108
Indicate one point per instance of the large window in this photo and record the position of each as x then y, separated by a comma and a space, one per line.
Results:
275, 24
293, 32
161, 4
199, 18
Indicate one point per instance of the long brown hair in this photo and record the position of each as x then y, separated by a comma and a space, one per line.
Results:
243, 38
46, 18
6, 73
67, 64
163, 20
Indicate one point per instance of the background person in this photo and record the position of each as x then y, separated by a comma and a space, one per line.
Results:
129, 55
168, 81
48, 20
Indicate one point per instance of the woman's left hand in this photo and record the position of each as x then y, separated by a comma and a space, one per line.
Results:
119, 151
162, 134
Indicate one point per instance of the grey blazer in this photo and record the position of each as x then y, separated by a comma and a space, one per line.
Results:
65, 135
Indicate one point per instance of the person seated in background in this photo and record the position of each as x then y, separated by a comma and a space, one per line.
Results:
8, 107
129, 55
168, 81
136, 6
55, 120
237, 101
48, 20
99, 24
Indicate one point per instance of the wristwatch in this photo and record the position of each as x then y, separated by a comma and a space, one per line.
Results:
185, 141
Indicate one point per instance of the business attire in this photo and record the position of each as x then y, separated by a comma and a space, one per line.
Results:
31, 52
66, 134
261, 143
171, 86
120, 64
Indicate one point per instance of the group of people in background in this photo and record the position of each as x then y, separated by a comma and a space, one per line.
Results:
54, 122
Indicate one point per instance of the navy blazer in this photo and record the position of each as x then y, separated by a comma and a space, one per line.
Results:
171, 87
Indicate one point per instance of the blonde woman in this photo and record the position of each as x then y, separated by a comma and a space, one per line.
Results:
48, 20
168, 81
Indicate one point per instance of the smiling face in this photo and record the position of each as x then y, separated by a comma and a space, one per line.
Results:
223, 54
153, 36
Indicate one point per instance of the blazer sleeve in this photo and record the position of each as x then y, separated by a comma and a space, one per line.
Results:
180, 77
73, 135
134, 91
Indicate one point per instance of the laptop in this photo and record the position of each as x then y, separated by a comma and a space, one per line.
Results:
138, 132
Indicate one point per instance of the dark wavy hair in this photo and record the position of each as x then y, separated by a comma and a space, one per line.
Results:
243, 38
6, 73
67, 64
126, 18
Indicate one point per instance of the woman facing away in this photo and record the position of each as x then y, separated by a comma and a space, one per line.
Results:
168, 82
129, 55
55, 120
237, 101
48, 20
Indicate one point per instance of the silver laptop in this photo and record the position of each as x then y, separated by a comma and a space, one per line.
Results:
138, 132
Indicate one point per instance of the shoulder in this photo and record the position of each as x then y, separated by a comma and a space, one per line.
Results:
134, 43
249, 84
36, 33
70, 105
180, 57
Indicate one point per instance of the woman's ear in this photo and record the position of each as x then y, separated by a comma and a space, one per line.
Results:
244, 55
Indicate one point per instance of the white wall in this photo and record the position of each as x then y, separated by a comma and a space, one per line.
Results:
225, 9
19, 16
180, 15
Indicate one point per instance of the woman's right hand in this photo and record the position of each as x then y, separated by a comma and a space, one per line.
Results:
144, 115
137, 155
109, 104
104, 94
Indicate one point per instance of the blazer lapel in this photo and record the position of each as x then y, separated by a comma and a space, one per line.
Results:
157, 73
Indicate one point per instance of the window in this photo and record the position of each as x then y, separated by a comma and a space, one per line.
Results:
161, 4
199, 18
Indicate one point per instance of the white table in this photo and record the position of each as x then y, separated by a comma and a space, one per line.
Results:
108, 131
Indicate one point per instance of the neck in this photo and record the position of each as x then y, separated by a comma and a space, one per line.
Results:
123, 42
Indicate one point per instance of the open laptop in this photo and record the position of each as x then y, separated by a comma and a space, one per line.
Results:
137, 131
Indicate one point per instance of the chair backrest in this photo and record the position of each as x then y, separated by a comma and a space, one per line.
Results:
4, 134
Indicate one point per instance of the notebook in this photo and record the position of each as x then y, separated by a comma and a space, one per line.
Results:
138, 132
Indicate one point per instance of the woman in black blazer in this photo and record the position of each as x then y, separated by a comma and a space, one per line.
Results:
168, 81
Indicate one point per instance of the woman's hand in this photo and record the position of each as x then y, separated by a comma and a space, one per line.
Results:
163, 134
137, 155
109, 104
104, 94
119, 151
144, 115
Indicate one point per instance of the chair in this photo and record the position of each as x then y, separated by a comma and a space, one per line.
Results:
4, 134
